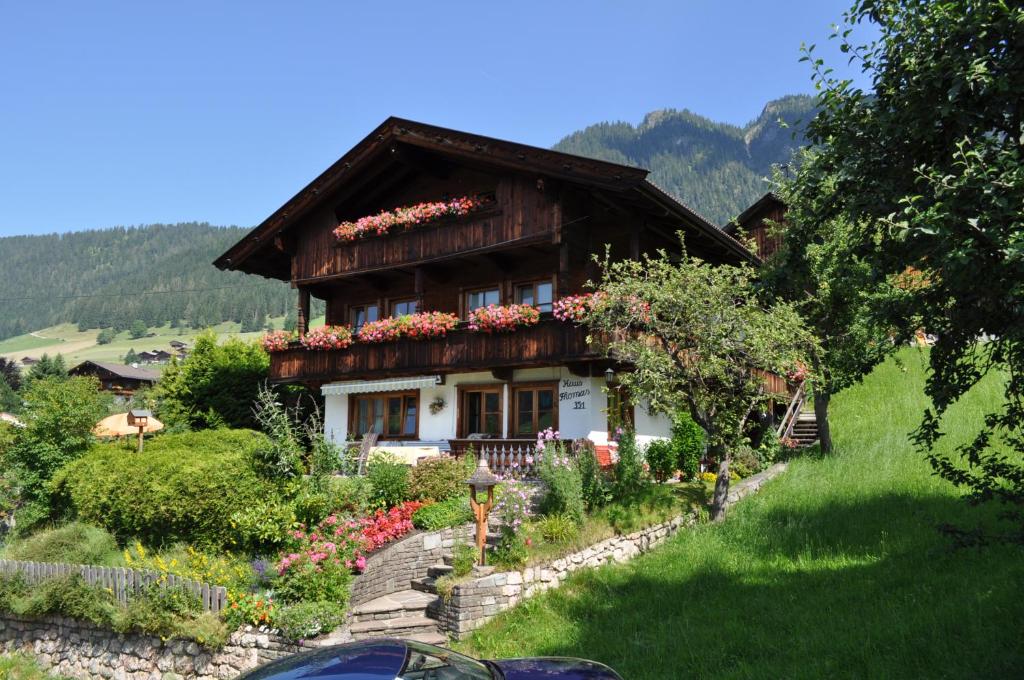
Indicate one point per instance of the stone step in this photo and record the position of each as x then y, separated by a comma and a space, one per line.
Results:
438, 639
396, 605
403, 627
439, 570
425, 585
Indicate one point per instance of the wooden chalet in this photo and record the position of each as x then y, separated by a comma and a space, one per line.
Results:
752, 225
117, 378
542, 217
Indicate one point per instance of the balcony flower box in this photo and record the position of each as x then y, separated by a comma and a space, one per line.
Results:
413, 326
278, 341
502, 319
575, 308
408, 216
328, 337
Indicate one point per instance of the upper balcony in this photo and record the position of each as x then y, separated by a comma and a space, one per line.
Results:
549, 343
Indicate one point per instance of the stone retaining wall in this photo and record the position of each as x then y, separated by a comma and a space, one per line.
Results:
79, 649
398, 564
473, 603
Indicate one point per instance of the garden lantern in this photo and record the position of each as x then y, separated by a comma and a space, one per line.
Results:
609, 376
482, 480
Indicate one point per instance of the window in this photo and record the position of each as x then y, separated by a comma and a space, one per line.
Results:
620, 409
360, 314
403, 307
391, 415
534, 409
475, 299
480, 410
537, 294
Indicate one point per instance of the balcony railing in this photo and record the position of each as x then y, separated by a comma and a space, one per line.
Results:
549, 343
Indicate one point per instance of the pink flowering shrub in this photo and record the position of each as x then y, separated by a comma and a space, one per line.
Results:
407, 216
498, 318
513, 505
277, 341
798, 373
414, 326
328, 337
789, 442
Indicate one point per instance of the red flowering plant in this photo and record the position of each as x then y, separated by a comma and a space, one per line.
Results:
575, 307
328, 337
383, 527
798, 373
498, 318
277, 341
407, 216
789, 442
255, 609
416, 326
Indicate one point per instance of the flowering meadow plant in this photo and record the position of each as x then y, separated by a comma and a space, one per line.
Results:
255, 609
414, 326
328, 337
407, 216
278, 341
513, 505
498, 318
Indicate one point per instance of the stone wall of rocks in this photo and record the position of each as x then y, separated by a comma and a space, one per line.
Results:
472, 603
79, 649
398, 564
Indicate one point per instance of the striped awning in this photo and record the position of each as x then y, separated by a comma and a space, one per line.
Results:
394, 385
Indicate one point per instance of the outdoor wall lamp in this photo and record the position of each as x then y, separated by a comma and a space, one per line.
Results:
609, 375
482, 480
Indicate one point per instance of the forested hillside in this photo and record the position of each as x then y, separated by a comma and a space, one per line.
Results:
715, 168
112, 277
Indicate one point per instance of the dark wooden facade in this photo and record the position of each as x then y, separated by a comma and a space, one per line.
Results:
757, 226
549, 215
119, 379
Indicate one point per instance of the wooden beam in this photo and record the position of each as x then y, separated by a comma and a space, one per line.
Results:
563, 268
303, 311
419, 280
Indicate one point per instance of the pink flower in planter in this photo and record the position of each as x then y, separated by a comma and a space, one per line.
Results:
328, 337
277, 341
498, 318
407, 216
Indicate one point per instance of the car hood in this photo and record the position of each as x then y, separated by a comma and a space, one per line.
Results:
554, 668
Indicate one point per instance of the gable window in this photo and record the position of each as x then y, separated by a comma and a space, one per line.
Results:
480, 410
404, 307
361, 314
389, 414
475, 299
534, 408
536, 294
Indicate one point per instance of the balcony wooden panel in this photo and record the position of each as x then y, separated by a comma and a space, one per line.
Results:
549, 343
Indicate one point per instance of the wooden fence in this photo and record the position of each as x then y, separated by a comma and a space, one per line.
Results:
123, 583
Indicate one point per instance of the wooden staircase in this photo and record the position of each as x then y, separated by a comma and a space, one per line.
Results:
805, 429
799, 423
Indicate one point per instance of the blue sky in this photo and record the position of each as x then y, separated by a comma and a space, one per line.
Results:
118, 113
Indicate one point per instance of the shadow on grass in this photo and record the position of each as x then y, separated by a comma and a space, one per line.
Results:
864, 589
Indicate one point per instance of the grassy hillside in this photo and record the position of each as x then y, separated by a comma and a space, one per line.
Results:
835, 570
78, 346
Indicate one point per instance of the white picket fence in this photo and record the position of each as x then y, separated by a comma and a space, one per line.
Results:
123, 583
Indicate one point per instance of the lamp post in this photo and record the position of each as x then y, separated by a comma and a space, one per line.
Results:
480, 481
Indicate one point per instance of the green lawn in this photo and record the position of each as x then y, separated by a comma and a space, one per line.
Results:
837, 569
22, 667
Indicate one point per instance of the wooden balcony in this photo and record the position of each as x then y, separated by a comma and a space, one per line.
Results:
549, 343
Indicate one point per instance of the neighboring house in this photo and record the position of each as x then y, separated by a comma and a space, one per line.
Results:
178, 345
156, 356
752, 226
117, 378
28, 361
545, 214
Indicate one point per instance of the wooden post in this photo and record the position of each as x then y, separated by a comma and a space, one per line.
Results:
563, 268
480, 511
419, 287
303, 322
140, 437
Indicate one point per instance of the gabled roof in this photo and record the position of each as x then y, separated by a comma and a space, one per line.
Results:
255, 252
120, 370
766, 202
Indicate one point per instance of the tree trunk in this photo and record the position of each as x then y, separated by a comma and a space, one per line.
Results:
821, 399
721, 486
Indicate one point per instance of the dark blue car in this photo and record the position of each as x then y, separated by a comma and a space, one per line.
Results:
389, 659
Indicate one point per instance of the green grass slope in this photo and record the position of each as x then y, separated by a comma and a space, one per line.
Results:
835, 570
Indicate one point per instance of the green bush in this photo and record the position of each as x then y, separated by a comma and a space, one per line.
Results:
561, 475
308, 619
305, 581
662, 458
74, 543
464, 556
184, 487
558, 528
69, 596
688, 441
389, 480
261, 528
592, 479
171, 612
449, 513
629, 470
511, 552
12, 587
439, 478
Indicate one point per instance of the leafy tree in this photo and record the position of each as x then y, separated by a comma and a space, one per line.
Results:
138, 329
837, 292
928, 171
48, 367
106, 336
9, 399
131, 357
215, 385
59, 416
695, 336
10, 373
